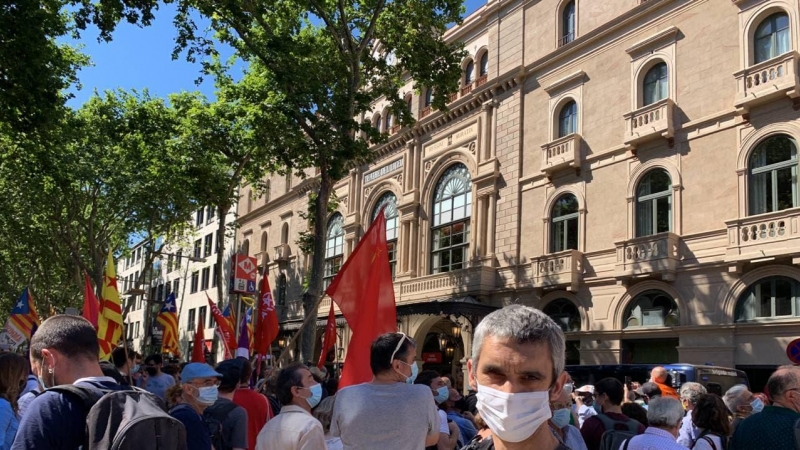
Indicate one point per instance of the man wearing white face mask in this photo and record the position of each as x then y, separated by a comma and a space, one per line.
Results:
517, 367
200, 390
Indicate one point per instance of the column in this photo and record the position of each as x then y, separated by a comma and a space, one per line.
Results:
414, 249
490, 237
478, 249
402, 250
491, 128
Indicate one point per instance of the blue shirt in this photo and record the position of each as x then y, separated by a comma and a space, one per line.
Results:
688, 432
771, 429
466, 430
158, 384
197, 433
654, 438
8, 424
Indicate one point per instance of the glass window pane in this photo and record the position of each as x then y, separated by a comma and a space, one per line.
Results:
572, 234
765, 299
663, 224
763, 48
785, 185
783, 297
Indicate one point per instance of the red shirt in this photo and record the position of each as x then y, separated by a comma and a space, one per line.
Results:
258, 412
593, 429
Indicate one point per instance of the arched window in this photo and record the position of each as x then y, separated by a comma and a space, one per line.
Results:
389, 201
772, 297
773, 175
564, 224
654, 204
285, 233
245, 249
655, 86
334, 248
377, 122
281, 290
568, 23
564, 313
485, 64
568, 119
452, 208
409, 101
388, 122
428, 96
264, 241
652, 309
469, 73
772, 37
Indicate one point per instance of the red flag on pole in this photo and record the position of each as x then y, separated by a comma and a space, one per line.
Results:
198, 351
267, 324
364, 292
91, 307
329, 339
223, 330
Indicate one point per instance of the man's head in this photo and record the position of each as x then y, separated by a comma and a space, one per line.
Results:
665, 413
153, 364
65, 349
200, 384
608, 392
659, 375
738, 399
784, 387
454, 401
294, 386
586, 394
649, 391
394, 355
690, 393
231, 370
433, 380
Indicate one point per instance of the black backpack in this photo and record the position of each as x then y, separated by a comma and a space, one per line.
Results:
616, 432
130, 419
214, 416
704, 436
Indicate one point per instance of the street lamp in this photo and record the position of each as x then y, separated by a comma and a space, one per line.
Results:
281, 342
442, 341
456, 330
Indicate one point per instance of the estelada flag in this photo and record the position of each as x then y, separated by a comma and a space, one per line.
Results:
168, 318
364, 292
109, 323
329, 339
228, 314
91, 307
223, 330
199, 347
267, 323
23, 319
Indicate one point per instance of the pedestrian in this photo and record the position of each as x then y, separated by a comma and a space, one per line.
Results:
173, 370
231, 434
448, 432
294, 428
517, 367
741, 403
647, 392
610, 426
63, 351
324, 413
389, 412
199, 391
125, 362
561, 408
710, 416
636, 412
584, 400
13, 377
268, 389
690, 392
466, 427
156, 381
773, 427
665, 415
660, 376
256, 405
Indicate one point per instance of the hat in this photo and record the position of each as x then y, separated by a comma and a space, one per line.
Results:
317, 372
454, 395
198, 370
231, 370
649, 389
589, 389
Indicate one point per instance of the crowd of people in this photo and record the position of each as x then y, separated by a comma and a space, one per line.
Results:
519, 397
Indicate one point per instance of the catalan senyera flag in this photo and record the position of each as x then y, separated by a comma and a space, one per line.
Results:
109, 323
23, 319
168, 318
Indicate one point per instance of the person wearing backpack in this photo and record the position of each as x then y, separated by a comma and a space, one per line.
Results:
665, 415
227, 420
609, 427
710, 416
200, 390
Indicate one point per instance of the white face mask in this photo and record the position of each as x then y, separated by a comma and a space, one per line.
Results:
513, 417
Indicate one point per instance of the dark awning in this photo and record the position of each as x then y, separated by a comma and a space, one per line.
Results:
468, 307
295, 324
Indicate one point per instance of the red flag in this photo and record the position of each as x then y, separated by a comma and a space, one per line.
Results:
198, 352
364, 292
329, 339
267, 324
91, 307
223, 330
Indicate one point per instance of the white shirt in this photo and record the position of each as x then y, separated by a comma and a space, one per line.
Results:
293, 429
703, 444
584, 412
443, 428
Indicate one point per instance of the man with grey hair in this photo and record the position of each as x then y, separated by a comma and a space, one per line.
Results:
690, 392
773, 428
741, 403
665, 415
517, 368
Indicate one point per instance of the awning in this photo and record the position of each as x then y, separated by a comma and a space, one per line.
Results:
295, 324
468, 307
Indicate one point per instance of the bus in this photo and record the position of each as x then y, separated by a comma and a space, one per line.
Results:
717, 380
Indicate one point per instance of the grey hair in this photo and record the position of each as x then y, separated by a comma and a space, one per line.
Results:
324, 412
524, 325
664, 412
692, 391
734, 397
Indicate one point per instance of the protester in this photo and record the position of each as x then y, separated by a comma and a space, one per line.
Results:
126, 364
13, 377
294, 428
466, 427
324, 413
391, 403
63, 351
608, 400
665, 415
648, 391
561, 408
200, 391
155, 381
268, 389
773, 428
690, 392
448, 432
710, 415
172, 370
636, 412
232, 417
256, 405
174, 396
517, 367
659, 376
584, 400
741, 403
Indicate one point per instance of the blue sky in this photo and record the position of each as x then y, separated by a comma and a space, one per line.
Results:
140, 58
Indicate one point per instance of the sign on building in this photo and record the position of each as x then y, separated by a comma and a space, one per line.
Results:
244, 274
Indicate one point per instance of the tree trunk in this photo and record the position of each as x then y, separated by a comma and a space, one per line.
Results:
223, 215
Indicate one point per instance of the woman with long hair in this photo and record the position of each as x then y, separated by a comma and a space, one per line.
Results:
710, 416
13, 376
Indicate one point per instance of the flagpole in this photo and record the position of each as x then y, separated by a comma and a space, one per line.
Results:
307, 320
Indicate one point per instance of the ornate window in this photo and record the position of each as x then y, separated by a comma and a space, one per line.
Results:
469, 73
768, 298
656, 84
564, 313
772, 37
652, 309
334, 248
568, 119
773, 175
485, 64
452, 208
389, 201
564, 224
654, 204
568, 24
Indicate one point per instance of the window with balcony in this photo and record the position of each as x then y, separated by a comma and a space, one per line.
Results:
654, 204
388, 122
565, 314
652, 309
769, 298
772, 37
656, 84
282, 290
567, 24
564, 224
452, 209
334, 248
568, 119
389, 202
428, 96
773, 175
377, 122
409, 100
469, 73
484, 64
285, 233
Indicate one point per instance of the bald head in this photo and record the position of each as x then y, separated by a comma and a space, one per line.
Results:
658, 374
785, 379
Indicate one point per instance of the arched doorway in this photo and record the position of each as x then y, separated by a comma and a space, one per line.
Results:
443, 351
653, 309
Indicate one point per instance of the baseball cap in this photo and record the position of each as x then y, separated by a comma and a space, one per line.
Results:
198, 370
231, 370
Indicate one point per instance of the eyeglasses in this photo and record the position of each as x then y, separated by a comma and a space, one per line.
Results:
207, 383
399, 344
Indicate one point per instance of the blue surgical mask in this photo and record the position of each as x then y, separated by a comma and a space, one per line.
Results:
757, 405
414, 372
442, 394
561, 417
208, 395
316, 395
135, 368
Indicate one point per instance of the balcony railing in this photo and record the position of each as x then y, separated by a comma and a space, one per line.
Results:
764, 236
566, 39
650, 255
768, 80
559, 269
282, 253
561, 153
425, 112
649, 123
395, 128
452, 97
466, 89
481, 80
477, 280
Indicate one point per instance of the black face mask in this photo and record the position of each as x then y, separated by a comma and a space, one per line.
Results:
152, 371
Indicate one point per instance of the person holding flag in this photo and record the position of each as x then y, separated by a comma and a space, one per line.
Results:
109, 322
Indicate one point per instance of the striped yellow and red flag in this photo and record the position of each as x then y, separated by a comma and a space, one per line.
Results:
109, 323
168, 318
23, 319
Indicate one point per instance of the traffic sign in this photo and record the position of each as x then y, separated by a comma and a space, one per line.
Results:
245, 274
793, 351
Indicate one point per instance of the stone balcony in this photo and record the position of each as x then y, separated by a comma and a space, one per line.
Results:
766, 81
466, 89
649, 123
563, 153
452, 97
481, 80
558, 269
282, 253
478, 280
764, 236
656, 255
